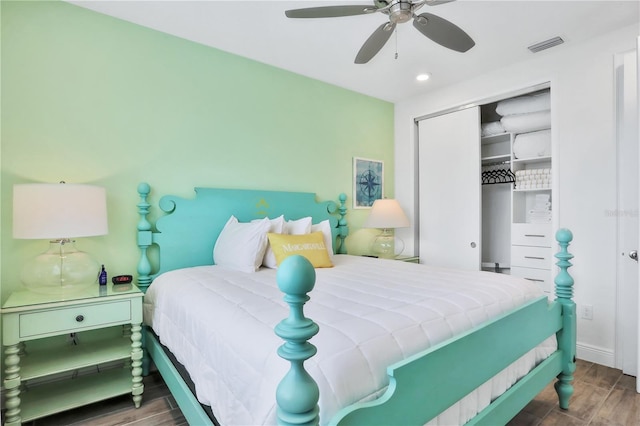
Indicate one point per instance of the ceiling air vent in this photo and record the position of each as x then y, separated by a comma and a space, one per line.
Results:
535, 48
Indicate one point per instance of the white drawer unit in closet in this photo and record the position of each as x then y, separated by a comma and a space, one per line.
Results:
532, 253
542, 277
532, 234
531, 257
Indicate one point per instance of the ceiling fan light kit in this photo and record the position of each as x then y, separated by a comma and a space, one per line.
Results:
431, 26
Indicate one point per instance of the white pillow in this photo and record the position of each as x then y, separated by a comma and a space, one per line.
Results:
525, 104
533, 144
524, 123
325, 227
241, 246
277, 226
298, 227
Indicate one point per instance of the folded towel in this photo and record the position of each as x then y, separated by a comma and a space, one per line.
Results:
492, 128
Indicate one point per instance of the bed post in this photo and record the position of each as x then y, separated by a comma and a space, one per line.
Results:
566, 336
297, 394
144, 266
144, 238
343, 231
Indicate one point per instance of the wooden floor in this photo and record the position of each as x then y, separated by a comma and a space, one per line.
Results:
603, 397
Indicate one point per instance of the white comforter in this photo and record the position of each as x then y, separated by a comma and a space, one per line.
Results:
371, 312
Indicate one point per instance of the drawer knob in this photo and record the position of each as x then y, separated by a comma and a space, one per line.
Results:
80, 318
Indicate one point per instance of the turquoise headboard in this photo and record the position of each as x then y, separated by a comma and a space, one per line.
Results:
188, 231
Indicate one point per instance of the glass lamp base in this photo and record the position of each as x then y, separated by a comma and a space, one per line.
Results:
61, 269
386, 245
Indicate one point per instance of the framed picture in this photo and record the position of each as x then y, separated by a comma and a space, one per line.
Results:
368, 182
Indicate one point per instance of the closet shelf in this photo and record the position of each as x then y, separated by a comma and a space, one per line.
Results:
531, 160
495, 138
503, 158
548, 188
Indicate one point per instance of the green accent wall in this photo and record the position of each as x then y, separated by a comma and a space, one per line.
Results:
87, 98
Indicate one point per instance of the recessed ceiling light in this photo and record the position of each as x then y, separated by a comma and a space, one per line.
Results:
423, 77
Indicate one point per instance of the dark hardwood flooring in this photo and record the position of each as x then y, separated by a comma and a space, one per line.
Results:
603, 397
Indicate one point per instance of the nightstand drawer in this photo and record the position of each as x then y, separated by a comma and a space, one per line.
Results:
69, 319
531, 257
532, 234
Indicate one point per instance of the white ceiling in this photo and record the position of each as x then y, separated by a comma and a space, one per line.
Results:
324, 49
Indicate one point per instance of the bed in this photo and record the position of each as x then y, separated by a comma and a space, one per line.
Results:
255, 361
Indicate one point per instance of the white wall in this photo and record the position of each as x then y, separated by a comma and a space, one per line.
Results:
584, 156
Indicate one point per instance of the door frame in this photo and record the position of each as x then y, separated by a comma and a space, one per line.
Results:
627, 341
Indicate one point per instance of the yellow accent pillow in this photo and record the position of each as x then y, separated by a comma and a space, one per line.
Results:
310, 246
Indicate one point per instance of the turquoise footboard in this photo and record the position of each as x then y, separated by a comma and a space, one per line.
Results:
426, 384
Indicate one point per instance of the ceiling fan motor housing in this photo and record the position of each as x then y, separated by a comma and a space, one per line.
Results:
400, 12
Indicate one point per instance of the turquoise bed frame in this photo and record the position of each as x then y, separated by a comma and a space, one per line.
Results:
420, 387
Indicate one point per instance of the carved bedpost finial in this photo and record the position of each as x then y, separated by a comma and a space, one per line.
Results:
343, 231
566, 336
297, 394
144, 237
564, 282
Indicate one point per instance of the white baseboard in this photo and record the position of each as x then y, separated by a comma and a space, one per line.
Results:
595, 354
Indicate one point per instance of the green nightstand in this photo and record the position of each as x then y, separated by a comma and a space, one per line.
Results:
31, 317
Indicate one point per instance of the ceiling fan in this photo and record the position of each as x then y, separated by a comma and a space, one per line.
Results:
434, 27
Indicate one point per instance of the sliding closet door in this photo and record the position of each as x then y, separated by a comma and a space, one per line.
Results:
449, 189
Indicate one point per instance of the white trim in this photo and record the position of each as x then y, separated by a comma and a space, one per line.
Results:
595, 354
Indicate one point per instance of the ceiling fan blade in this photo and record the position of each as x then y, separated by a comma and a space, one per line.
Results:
330, 11
375, 42
443, 32
437, 2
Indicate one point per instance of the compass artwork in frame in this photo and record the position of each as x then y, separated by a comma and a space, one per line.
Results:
368, 182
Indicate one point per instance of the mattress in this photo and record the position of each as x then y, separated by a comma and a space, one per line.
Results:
372, 313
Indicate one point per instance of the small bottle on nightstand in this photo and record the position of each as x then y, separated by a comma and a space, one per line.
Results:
102, 278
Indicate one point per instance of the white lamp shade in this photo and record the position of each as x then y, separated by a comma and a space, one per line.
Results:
59, 211
386, 213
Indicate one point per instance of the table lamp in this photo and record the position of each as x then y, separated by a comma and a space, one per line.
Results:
386, 214
59, 212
